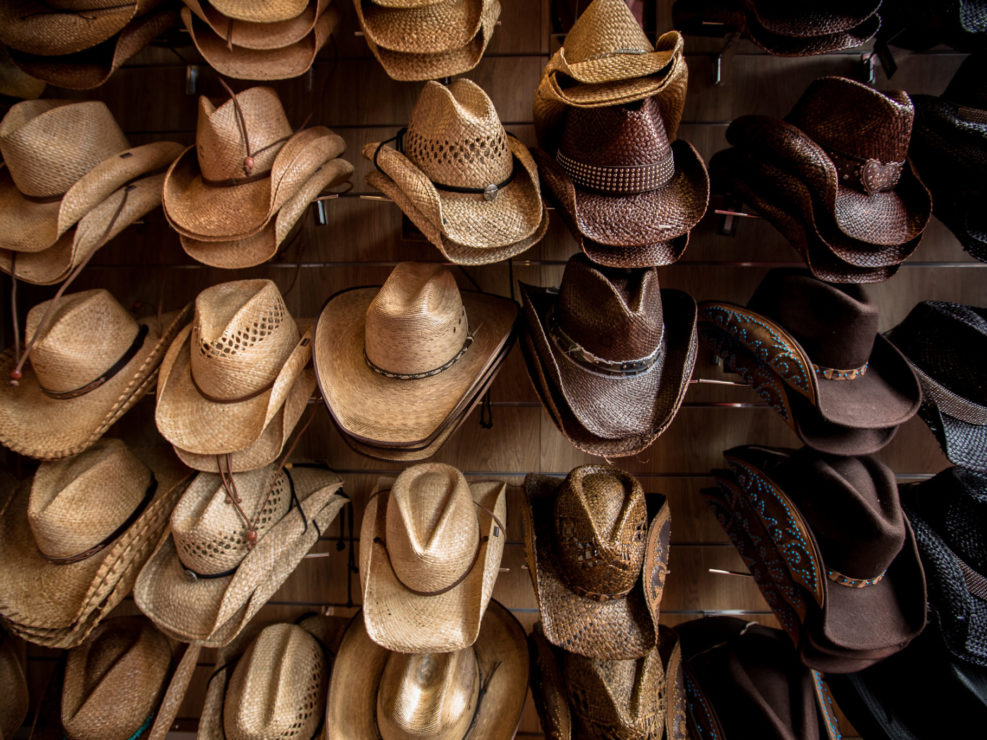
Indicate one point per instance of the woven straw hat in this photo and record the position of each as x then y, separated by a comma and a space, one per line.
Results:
429, 29
455, 140
245, 63
395, 363
803, 45
13, 684
619, 181
405, 3
260, 11
226, 375
615, 350
813, 18
115, 680
430, 551
63, 159
88, 366
83, 529
605, 606
204, 583
93, 231
251, 35
14, 82
471, 694
37, 27
245, 166
262, 246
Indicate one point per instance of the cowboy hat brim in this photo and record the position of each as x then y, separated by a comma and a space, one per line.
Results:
406, 622
791, 46
620, 65
251, 35
658, 254
965, 444
501, 655
429, 29
32, 26
363, 403
781, 18
260, 11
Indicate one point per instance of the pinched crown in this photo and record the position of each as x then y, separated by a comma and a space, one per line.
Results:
605, 28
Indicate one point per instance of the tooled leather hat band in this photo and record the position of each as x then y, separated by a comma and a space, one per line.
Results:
870, 175
583, 357
841, 580
619, 179
427, 373
832, 373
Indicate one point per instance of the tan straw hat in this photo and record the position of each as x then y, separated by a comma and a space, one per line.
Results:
429, 29
430, 552
16, 83
260, 11
597, 566
251, 35
13, 684
88, 365
115, 680
83, 529
245, 166
460, 169
395, 363
476, 693
226, 375
244, 63
274, 685
207, 580
63, 159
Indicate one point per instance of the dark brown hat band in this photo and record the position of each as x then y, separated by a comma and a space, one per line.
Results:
869, 175
619, 179
426, 373
586, 359
116, 367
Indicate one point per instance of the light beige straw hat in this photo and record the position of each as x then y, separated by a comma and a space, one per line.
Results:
226, 375
405, 3
13, 685
88, 365
394, 363
250, 35
455, 143
115, 680
260, 11
244, 63
273, 685
83, 529
262, 246
430, 29
430, 551
476, 693
122, 208
63, 159
205, 581
246, 164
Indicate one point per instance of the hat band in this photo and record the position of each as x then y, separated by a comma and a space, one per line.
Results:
976, 584
831, 373
870, 175
838, 578
241, 399
115, 368
148, 495
428, 373
629, 179
586, 359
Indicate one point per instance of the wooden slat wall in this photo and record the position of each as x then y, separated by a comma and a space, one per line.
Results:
349, 92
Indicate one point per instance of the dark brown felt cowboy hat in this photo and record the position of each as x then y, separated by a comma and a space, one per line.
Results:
821, 342
620, 183
476, 693
615, 350
597, 558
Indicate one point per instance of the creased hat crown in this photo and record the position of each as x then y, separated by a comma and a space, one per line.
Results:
78, 502
85, 336
417, 321
242, 335
429, 695
455, 137
605, 28
432, 528
48, 145
601, 522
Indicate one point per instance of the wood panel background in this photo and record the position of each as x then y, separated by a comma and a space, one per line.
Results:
364, 237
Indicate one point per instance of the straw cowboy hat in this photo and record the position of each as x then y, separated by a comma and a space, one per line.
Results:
223, 562
944, 342
14, 82
13, 684
471, 693
810, 30
245, 63
89, 364
115, 680
842, 387
228, 373
606, 605
248, 695
745, 680
246, 164
260, 36
426, 586
614, 351
622, 185
85, 526
481, 189
62, 160
260, 11
416, 344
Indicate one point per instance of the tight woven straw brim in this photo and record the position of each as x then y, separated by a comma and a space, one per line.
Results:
400, 412
260, 11
33, 424
248, 35
263, 246
212, 611
403, 621
14, 82
658, 254
32, 27
818, 19
34, 227
74, 592
54, 264
791, 46
242, 63
13, 684
614, 629
431, 29
502, 657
